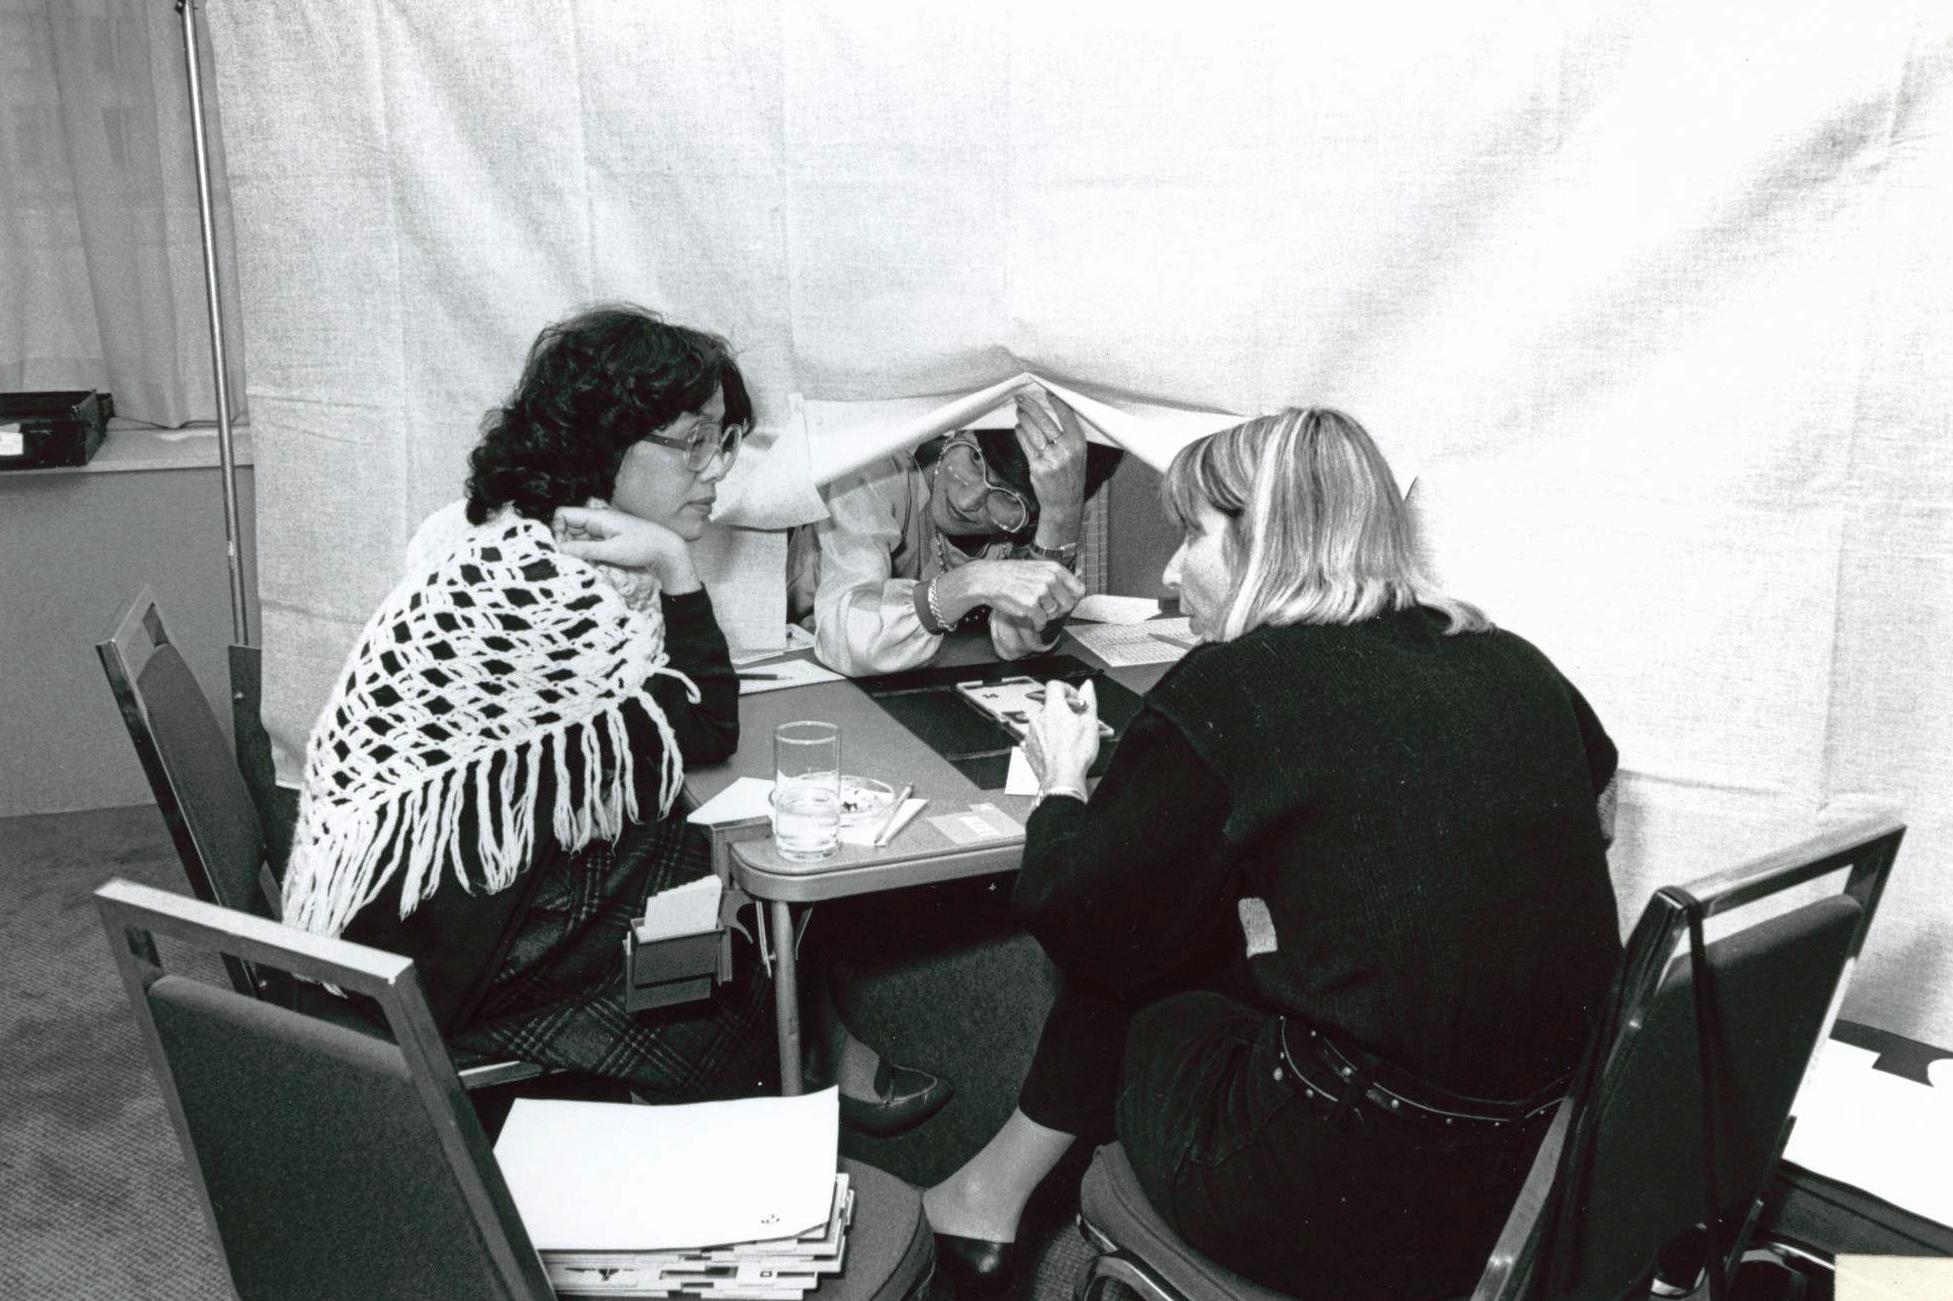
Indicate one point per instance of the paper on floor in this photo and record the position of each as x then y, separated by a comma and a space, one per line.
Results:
1869, 1128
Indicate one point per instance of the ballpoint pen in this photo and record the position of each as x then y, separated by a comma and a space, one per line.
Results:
894, 812
762, 677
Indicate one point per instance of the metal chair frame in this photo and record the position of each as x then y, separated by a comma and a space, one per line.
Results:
1866, 847
135, 914
125, 653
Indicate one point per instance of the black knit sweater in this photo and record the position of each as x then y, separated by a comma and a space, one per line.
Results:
1417, 812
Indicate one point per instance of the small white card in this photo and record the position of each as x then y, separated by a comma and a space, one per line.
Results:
1021, 780
976, 824
747, 798
686, 909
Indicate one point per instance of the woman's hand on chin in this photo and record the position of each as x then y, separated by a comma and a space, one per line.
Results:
606, 535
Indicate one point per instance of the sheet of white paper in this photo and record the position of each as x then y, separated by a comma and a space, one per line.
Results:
1869, 1128
746, 798
866, 835
1020, 780
1116, 609
1159, 641
605, 1176
682, 910
778, 675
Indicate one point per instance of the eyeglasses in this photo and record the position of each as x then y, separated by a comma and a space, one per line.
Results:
709, 442
1008, 510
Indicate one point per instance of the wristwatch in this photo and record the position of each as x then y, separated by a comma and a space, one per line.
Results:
1066, 555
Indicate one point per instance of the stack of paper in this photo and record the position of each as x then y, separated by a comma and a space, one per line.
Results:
721, 1199
785, 1268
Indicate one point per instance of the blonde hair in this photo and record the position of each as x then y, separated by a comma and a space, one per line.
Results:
1317, 530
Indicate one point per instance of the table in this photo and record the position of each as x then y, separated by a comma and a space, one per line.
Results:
872, 745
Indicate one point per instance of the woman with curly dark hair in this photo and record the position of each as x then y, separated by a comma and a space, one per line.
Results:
490, 788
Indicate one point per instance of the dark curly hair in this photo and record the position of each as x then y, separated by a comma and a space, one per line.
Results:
594, 385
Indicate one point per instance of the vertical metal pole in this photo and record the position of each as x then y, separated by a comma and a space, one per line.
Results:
226, 455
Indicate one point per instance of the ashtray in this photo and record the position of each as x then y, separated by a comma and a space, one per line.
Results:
863, 800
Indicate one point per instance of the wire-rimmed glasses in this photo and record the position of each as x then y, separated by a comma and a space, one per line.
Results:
1007, 508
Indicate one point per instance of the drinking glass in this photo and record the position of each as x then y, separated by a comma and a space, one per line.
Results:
806, 790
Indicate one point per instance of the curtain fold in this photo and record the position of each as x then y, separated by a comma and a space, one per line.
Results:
101, 252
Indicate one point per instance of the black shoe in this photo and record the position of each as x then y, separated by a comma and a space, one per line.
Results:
977, 1267
904, 1098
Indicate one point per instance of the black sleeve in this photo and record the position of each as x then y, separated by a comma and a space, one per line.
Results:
707, 732
1602, 758
1126, 888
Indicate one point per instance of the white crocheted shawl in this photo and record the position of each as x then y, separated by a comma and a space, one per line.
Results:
492, 661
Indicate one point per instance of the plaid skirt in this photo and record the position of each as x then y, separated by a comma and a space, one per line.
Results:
558, 998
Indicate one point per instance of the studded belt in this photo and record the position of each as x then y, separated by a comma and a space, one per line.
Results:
1323, 1071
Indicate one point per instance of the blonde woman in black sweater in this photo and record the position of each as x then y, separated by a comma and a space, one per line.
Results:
1359, 827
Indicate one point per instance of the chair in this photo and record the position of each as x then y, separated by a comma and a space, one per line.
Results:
336, 1164
212, 815
1641, 1148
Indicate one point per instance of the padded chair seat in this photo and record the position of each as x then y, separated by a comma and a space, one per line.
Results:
1112, 1201
891, 1253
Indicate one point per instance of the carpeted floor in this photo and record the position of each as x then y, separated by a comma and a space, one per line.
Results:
97, 1202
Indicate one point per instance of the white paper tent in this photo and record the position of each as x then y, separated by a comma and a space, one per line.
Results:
1656, 296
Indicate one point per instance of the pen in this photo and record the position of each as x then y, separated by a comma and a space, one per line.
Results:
894, 812
1182, 643
762, 677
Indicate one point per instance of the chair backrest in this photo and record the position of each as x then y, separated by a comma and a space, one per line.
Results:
1624, 1173
211, 816
331, 1163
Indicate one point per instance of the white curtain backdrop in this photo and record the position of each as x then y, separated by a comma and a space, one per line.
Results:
1656, 296
101, 259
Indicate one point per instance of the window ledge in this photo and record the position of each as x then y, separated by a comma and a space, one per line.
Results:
131, 447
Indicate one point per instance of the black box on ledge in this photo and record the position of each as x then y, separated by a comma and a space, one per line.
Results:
40, 431
678, 969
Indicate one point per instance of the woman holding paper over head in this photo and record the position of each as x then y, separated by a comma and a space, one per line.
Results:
1357, 829
489, 790
977, 527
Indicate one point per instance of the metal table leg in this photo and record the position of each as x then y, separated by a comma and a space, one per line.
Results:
786, 994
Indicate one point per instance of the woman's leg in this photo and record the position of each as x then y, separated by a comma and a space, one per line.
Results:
1068, 1094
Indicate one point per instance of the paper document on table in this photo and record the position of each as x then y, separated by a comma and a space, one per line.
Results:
1869, 1128
747, 798
797, 638
684, 909
1020, 780
978, 823
1115, 609
606, 1176
777, 675
1121, 645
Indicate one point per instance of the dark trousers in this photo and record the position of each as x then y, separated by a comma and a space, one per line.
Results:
1288, 1190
